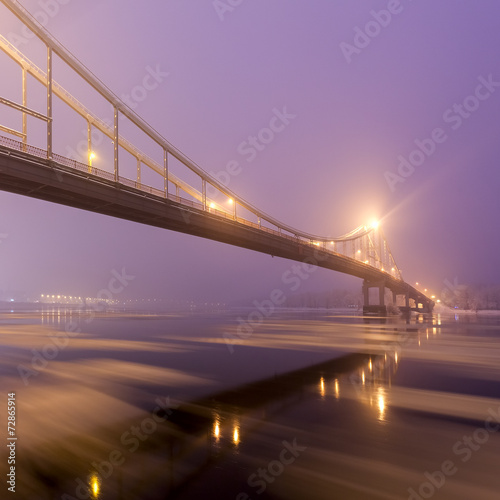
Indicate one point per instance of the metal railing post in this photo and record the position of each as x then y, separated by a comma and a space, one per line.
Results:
25, 104
165, 172
89, 146
49, 103
116, 139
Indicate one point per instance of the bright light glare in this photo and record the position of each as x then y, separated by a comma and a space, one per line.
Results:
374, 224
381, 405
95, 486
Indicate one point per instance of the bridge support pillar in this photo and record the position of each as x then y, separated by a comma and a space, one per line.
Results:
381, 294
366, 294
377, 310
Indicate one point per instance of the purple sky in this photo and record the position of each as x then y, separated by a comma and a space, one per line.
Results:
355, 112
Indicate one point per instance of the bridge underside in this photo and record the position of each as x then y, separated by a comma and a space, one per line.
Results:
411, 301
26, 175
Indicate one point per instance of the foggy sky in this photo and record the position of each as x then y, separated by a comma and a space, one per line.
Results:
353, 111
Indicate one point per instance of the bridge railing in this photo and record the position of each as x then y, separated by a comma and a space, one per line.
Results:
24, 148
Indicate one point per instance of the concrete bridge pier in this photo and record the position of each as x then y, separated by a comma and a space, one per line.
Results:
379, 309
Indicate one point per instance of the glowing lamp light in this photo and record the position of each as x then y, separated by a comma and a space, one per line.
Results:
212, 205
230, 201
374, 224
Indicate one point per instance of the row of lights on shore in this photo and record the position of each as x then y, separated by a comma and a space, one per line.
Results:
70, 299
